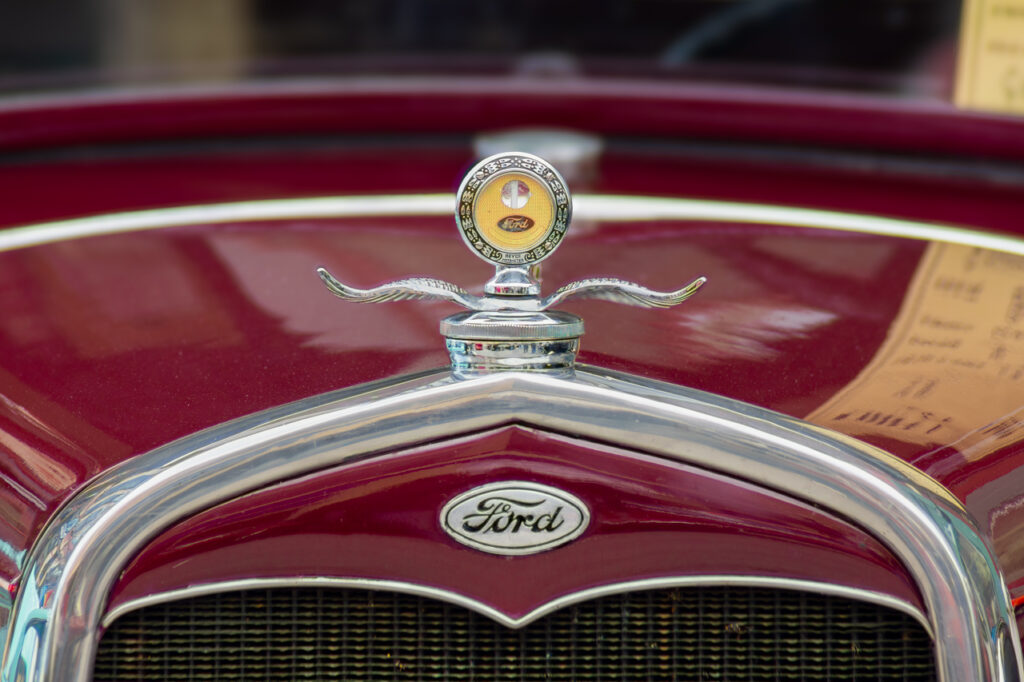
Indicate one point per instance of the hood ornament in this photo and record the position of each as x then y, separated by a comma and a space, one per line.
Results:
513, 210
605, 288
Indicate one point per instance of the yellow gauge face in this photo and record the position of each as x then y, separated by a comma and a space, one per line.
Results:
513, 209
514, 212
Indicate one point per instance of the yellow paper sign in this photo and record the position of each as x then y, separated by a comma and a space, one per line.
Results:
952, 367
990, 69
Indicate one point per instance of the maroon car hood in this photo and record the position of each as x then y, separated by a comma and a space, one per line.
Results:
113, 345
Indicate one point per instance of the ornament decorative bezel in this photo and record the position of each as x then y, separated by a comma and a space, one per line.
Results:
489, 170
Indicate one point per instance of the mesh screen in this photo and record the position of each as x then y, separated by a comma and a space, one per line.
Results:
723, 633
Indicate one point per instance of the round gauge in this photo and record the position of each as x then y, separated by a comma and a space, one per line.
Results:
513, 209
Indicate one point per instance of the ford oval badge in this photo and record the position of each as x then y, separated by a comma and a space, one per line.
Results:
515, 518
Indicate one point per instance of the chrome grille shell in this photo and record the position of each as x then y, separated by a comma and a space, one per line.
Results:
108, 522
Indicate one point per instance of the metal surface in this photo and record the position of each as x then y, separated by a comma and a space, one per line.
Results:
403, 290
519, 280
491, 326
512, 311
539, 612
76, 561
667, 634
482, 234
5, 608
589, 207
514, 287
603, 288
621, 291
658, 518
478, 356
513, 518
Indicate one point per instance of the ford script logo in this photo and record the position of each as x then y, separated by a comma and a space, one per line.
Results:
515, 223
515, 517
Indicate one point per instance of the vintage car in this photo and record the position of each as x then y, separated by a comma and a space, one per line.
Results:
796, 453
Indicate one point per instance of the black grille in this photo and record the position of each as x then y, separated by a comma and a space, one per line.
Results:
725, 633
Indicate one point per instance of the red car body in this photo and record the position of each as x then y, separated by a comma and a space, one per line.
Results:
115, 342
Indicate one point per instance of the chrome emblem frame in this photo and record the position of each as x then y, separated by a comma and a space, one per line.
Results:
514, 518
488, 171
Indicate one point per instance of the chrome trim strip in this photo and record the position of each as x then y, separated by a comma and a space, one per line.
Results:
595, 208
244, 211
6, 603
79, 556
550, 607
628, 208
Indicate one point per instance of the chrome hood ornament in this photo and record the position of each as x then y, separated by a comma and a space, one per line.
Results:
605, 288
513, 210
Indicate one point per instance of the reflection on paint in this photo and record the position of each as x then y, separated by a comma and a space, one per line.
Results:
953, 358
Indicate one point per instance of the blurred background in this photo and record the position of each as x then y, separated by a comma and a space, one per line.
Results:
893, 46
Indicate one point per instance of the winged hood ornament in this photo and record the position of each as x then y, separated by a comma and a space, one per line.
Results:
513, 210
603, 288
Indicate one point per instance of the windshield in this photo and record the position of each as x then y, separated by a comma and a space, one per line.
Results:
892, 46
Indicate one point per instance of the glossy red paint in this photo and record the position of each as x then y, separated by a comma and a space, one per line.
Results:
53, 190
40, 189
76, 156
380, 519
112, 346
457, 105
231, 320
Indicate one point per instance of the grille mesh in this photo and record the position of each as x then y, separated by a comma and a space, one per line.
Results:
722, 633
